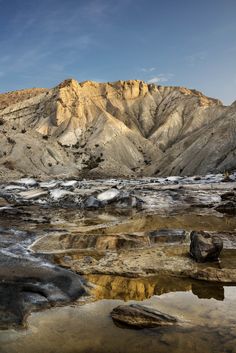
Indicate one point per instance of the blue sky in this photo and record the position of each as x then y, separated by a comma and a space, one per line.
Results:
170, 42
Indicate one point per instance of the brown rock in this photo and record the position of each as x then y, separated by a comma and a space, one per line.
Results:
140, 316
205, 247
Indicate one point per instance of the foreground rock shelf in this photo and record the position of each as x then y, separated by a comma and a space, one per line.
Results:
173, 261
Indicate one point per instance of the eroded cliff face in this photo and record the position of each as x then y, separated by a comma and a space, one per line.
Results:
125, 128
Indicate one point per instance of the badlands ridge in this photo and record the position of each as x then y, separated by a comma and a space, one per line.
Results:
119, 129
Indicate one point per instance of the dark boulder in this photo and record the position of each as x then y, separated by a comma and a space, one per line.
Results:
140, 316
27, 282
230, 195
228, 207
204, 246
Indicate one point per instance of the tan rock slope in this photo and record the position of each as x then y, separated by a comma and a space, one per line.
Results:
125, 128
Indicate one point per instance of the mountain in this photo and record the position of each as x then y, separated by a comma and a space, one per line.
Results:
119, 129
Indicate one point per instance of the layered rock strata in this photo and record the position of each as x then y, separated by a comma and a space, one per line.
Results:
124, 128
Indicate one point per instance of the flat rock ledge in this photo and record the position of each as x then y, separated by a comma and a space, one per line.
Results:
161, 260
140, 316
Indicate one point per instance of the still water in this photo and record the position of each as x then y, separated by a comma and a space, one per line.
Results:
207, 310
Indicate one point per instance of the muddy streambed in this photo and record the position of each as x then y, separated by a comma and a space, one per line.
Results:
122, 255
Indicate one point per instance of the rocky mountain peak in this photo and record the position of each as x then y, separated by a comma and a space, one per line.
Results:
69, 82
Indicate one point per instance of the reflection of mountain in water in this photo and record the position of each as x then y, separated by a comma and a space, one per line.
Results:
117, 287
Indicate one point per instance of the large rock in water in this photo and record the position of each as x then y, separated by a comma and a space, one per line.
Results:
28, 283
140, 316
124, 128
205, 247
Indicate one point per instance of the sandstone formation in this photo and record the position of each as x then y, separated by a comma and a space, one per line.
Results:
125, 128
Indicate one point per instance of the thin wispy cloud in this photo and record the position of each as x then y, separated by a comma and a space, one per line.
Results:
161, 78
43, 42
148, 69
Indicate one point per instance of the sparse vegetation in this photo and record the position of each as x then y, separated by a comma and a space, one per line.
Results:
11, 141
9, 165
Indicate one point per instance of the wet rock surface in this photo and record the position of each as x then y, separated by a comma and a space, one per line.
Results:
205, 247
146, 193
28, 282
140, 316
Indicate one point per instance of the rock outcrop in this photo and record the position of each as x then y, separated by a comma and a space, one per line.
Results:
124, 128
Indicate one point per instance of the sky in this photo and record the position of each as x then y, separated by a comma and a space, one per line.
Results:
168, 42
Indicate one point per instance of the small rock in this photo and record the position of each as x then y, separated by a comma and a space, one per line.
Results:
227, 179
167, 235
57, 194
108, 196
230, 195
228, 207
204, 247
49, 184
33, 194
69, 183
92, 202
30, 182
140, 316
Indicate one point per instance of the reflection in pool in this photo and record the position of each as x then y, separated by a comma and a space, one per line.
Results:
209, 310
124, 288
